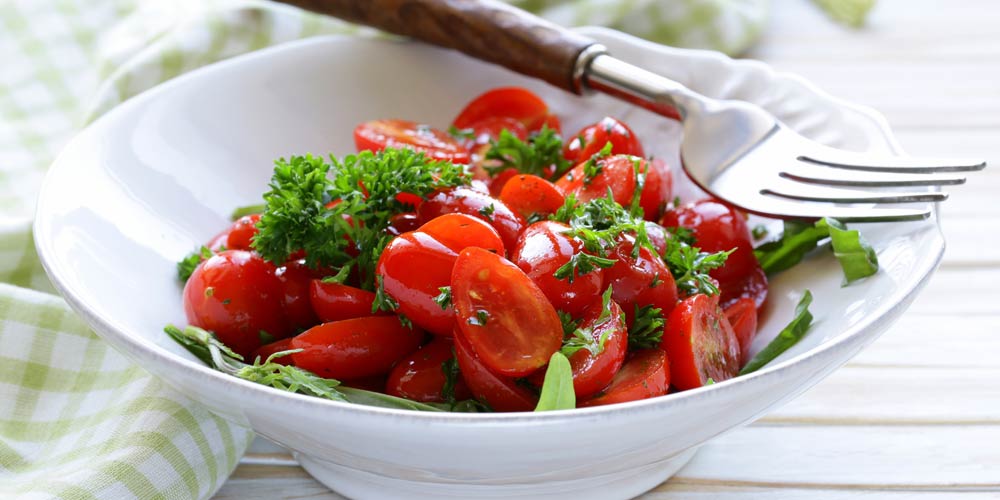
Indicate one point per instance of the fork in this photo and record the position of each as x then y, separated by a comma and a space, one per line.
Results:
734, 150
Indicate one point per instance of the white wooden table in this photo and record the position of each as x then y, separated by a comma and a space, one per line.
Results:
917, 415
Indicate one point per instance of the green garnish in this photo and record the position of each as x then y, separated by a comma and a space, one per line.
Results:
188, 264
480, 320
451, 374
339, 278
788, 337
247, 210
487, 212
580, 264
557, 389
537, 156
383, 301
444, 298
647, 328
690, 266
759, 231
462, 134
576, 338
857, 258
350, 232
593, 166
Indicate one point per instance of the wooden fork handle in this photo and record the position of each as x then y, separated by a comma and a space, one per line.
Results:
485, 29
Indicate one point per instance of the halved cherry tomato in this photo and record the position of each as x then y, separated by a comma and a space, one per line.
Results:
499, 392
646, 375
505, 317
657, 188
717, 227
420, 376
457, 231
489, 129
700, 343
264, 351
510, 102
530, 195
237, 236
641, 280
466, 201
541, 250
616, 173
591, 140
742, 316
498, 181
335, 302
295, 278
377, 135
355, 348
413, 267
236, 295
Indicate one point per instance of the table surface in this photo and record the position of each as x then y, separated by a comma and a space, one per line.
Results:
917, 414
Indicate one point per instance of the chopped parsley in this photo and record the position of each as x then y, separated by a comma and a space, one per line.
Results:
537, 156
647, 328
487, 212
444, 298
187, 265
576, 338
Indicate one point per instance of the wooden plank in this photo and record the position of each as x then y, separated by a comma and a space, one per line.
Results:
956, 292
681, 490
936, 342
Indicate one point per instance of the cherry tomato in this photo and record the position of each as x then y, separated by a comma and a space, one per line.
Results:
641, 280
530, 195
657, 189
413, 267
466, 201
742, 316
375, 383
592, 139
541, 250
421, 377
505, 317
700, 343
457, 231
238, 235
646, 375
616, 173
264, 351
500, 393
377, 135
402, 223
355, 348
657, 236
499, 181
295, 278
489, 129
509, 102
335, 302
236, 295
717, 227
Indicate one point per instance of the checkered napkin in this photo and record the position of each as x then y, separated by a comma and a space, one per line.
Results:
77, 419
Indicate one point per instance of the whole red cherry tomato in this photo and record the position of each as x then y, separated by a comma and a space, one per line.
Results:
542, 249
717, 227
237, 236
700, 343
265, 351
413, 267
499, 392
466, 201
591, 140
508, 102
295, 278
640, 280
236, 295
531, 196
657, 188
506, 319
377, 135
742, 316
646, 375
421, 377
615, 173
335, 302
355, 348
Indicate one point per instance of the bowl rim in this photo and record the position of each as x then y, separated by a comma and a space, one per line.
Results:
147, 351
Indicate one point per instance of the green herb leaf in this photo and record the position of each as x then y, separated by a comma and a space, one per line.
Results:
451, 374
462, 134
247, 210
557, 389
580, 264
759, 231
857, 258
383, 301
444, 298
480, 320
576, 338
536, 157
188, 264
487, 212
593, 167
798, 239
647, 328
342, 274
690, 267
788, 337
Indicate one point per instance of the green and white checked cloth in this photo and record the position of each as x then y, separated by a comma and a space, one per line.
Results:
77, 419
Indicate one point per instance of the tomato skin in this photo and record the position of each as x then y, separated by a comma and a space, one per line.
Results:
657, 189
646, 374
591, 139
529, 195
640, 281
500, 180
413, 267
657, 236
266, 350
542, 249
377, 135
700, 343
403, 223
717, 227
500, 393
466, 201
355, 348
742, 316
235, 295
509, 102
420, 376
295, 278
335, 302
506, 318
457, 231
617, 173
237, 236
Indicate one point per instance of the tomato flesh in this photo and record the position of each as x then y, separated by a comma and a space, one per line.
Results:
457, 231
616, 173
530, 195
591, 140
355, 348
504, 316
542, 249
420, 376
377, 135
701, 343
646, 375
499, 392
742, 316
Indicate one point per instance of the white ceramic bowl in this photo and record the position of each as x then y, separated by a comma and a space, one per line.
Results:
157, 176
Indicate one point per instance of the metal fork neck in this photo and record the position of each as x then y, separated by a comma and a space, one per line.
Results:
633, 84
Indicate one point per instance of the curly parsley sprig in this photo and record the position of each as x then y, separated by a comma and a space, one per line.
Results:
541, 155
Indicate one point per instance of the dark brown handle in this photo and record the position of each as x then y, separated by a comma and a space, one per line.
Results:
484, 29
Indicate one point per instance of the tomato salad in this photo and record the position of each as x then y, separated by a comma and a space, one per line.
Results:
489, 267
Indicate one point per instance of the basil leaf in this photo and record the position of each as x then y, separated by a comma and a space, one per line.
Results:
788, 337
798, 239
857, 258
557, 389
369, 398
247, 210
